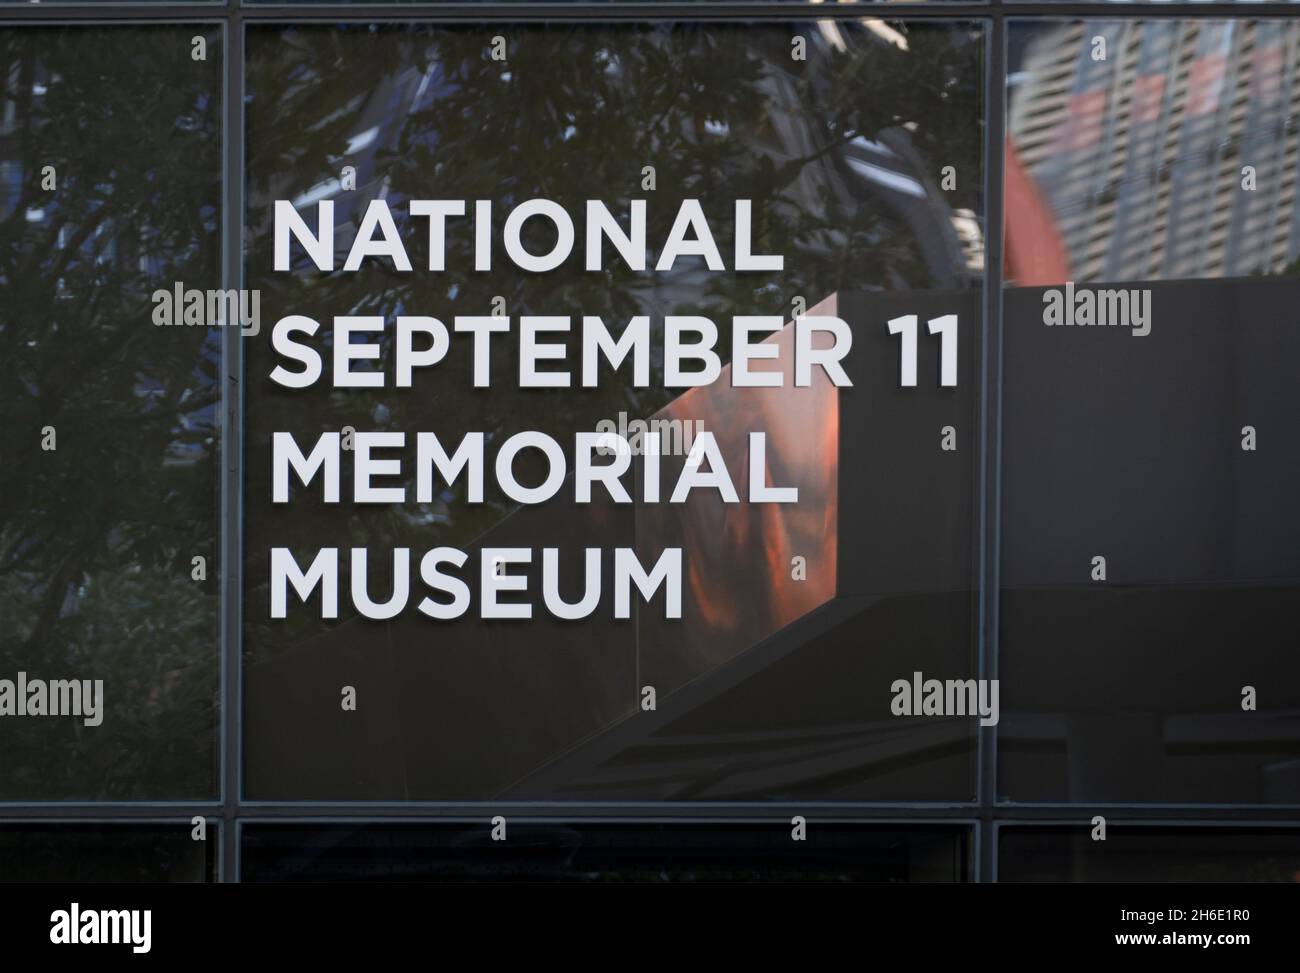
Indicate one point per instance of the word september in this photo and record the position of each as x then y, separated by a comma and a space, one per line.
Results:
349, 346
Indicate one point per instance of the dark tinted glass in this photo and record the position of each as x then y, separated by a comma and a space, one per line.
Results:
608, 852
1140, 853
523, 4
770, 685
110, 152
106, 853
1151, 481
104, 3
1146, 1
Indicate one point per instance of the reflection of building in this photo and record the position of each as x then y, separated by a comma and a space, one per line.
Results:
1142, 156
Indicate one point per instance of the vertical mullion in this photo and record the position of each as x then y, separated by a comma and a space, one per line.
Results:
990, 424
232, 441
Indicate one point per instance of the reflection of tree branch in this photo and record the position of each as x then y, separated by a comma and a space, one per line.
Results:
70, 249
15, 561
643, 144
51, 601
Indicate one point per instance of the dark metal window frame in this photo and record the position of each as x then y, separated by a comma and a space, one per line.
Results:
986, 814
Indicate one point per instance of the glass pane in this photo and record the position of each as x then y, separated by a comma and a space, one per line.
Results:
796, 620
1141, 853
1151, 484
523, 4
1153, 1
554, 851
109, 195
105, 3
31, 852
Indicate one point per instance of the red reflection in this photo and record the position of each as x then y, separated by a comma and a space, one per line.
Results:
1034, 249
742, 584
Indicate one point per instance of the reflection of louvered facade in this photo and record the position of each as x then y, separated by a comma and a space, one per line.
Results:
1143, 156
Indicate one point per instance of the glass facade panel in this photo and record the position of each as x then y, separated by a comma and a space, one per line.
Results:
775, 682
1150, 484
549, 851
100, 852
1141, 853
110, 194
1083, 482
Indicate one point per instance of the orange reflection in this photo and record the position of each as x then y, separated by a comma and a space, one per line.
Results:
742, 583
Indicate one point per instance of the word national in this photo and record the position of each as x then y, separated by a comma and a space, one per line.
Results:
378, 236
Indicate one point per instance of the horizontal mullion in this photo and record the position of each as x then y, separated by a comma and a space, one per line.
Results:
81, 811
101, 15
98, 13
914, 813
1003, 814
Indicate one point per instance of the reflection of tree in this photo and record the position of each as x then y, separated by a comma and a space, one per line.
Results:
722, 112
96, 537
